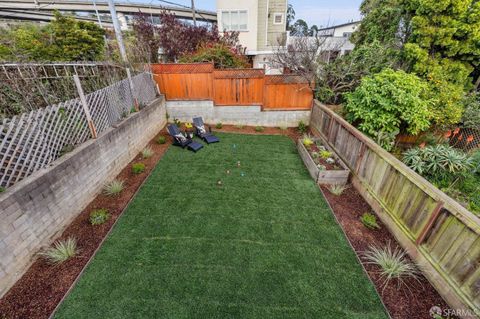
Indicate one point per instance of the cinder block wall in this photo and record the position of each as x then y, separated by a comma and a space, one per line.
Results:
244, 115
36, 209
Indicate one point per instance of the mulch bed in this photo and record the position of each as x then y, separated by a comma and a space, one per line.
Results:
42, 287
38, 292
402, 302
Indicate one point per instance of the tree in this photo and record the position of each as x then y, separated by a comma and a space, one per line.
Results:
220, 54
313, 31
303, 56
146, 38
300, 28
345, 73
439, 41
63, 39
178, 39
290, 16
390, 102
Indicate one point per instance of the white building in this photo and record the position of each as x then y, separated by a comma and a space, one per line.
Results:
339, 36
261, 23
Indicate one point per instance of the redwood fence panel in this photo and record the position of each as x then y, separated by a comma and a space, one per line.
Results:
200, 81
185, 82
287, 92
238, 87
440, 234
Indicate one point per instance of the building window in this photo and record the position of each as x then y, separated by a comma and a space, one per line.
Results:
278, 18
234, 20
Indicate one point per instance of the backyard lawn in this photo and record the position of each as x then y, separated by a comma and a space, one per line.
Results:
264, 244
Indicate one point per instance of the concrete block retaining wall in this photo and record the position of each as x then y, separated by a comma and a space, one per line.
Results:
244, 115
35, 210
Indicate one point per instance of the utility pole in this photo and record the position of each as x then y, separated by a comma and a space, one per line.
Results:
123, 53
193, 13
118, 31
98, 16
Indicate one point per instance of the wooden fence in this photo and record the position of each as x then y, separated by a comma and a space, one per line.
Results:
200, 81
441, 235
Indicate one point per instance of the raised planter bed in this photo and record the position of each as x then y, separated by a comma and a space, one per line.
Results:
325, 171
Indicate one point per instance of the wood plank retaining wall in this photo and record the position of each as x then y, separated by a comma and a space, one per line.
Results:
441, 235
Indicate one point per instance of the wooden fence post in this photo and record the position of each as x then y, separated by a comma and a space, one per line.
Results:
91, 125
431, 221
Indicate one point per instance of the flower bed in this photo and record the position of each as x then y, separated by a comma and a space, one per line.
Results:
323, 164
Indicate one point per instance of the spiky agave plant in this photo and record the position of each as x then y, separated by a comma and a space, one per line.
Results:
147, 152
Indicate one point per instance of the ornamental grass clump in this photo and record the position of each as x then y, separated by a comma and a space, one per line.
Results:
61, 251
337, 190
113, 188
161, 140
147, 152
393, 264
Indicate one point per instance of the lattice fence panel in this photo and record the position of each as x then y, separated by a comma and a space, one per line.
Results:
33, 140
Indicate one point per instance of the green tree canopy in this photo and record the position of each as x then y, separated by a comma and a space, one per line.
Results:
63, 39
390, 102
439, 40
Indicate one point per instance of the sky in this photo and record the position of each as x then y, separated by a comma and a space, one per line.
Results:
319, 12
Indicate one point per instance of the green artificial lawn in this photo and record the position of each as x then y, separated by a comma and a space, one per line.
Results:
262, 245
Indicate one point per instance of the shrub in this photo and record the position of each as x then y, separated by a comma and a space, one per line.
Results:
219, 125
393, 264
259, 129
161, 140
147, 152
2, 189
337, 190
437, 161
61, 251
283, 128
302, 127
113, 188
239, 126
307, 141
325, 154
390, 101
138, 168
471, 115
99, 216
220, 54
370, 221
177, 122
